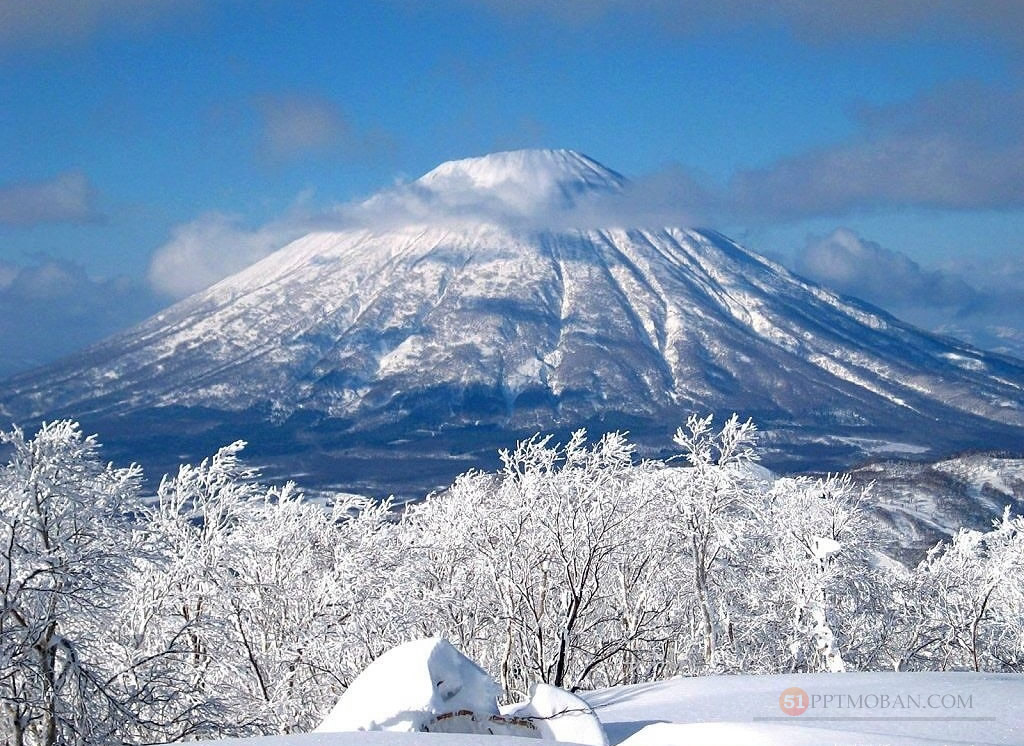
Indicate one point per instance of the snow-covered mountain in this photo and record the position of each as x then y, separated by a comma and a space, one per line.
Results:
922, 503
456, 321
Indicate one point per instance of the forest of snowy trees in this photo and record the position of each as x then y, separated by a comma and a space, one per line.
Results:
222, 606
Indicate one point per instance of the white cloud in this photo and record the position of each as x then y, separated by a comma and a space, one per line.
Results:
214, 246
981, 304
49, 21
540, 199
68, 198
958, 147
815, 21
52, 308
883, 172
285, 126
8, 273
855, 266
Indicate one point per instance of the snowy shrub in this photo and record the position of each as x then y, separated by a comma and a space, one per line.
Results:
819, 588
557, 548
962, 607
708, 506
270, 595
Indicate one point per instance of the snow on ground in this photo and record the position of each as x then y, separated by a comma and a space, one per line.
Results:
560, 716
377, 738
407, 687
967, 708
964, 708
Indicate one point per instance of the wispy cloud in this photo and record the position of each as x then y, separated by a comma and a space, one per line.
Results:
68, 198
980, 303
959, 147
52, 308
816, 21
215, 245
284, 127
58, 21
856, 266
293, 125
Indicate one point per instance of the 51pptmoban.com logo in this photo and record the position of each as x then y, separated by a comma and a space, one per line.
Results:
795, 701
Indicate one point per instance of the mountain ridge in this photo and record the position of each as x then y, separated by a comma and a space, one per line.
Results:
463, 323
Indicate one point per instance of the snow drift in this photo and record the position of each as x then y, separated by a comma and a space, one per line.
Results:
409, 686
427, 685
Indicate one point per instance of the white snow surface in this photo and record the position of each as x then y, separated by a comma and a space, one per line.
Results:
724, 710
560, 716
410, 684
747, 710
380, 739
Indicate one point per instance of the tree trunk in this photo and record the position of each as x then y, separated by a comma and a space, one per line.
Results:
701, 582
47, 670
563, 652
17, 725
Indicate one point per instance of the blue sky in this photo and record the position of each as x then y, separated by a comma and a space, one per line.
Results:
877, 146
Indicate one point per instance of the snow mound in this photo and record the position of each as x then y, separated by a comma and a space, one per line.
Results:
409, 686
560, 716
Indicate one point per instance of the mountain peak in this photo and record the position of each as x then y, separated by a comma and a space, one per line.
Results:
425, 344
524, 178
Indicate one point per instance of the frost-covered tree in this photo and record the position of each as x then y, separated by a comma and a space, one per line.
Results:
270, 594
85, 655
818, 576
448, 538
708, 502
962, 608
67, 544
553, 546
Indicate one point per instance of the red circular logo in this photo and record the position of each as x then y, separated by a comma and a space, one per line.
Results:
794, 701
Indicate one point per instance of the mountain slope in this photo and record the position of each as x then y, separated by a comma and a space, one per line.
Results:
468, 315
921, 504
